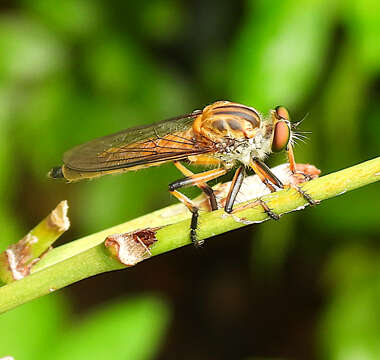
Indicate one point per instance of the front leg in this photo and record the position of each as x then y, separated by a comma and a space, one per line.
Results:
295, 172
310, 172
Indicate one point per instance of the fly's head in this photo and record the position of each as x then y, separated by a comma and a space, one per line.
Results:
280, 129
274, 134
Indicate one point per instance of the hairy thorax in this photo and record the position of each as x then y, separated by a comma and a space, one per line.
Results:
242, 150
237, 132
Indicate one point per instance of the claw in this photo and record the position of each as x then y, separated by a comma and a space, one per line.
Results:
263, 204
268, 210
300, 177
305, 195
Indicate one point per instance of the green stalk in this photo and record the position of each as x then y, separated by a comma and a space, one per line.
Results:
17, 260
88, 256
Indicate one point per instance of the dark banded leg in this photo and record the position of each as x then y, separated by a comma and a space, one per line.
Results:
305, 195
202, 185
266, 175
191, 181
234, 189
194, 215
270, 180
260, 202
267, 209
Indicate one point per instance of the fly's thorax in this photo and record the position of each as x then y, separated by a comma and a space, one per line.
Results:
234, 150
238, 132
243, 150
227, 120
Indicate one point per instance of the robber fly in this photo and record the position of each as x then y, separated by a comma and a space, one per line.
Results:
224, 135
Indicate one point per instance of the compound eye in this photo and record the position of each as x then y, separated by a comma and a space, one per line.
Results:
281, 136
282, 113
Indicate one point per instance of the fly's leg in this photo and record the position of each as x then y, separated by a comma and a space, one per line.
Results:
269, 179
234, 189
261, 203
291, 160
192, 180
266, 175
293, 169
202, 185
194, 214
268, 210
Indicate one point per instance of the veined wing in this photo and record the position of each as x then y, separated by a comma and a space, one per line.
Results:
167, 140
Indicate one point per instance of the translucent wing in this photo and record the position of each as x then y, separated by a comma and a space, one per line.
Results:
167, 140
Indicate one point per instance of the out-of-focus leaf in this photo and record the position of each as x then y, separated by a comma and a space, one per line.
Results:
31, 330
350, 327
114, 65
336, 219
342, 102
341, 120
5, 111
130, 330
351, 265
370, 129
362, 20
280, 52
28, 50
8, 222
73, 18
161, 20
271, 244
39, 132
119, 70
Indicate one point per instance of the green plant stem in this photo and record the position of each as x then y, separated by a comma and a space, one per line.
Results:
16, 261
88, 256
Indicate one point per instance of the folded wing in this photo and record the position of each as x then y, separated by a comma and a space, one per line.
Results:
169, 140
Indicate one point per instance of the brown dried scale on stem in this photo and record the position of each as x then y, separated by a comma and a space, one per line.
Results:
17, 260
133, 247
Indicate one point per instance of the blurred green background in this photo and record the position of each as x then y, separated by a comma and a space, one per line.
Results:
305, 287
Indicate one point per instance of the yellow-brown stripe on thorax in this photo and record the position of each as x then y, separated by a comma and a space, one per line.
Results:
225, 119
